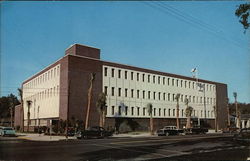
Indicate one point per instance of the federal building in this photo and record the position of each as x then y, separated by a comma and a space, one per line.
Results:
60, 91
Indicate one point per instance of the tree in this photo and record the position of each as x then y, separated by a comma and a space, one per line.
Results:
20, 93
28, 114
177, 97
243, 13
101, 106
150, 112
188, 113
92, 78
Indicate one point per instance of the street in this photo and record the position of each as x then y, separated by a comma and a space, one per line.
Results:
189, 147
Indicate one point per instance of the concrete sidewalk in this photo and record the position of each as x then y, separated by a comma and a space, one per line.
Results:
41, 137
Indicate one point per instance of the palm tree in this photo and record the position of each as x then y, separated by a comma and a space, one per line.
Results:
101, 106
20, 93
188, 113
92, 78
177, 97
28, 114
150, 112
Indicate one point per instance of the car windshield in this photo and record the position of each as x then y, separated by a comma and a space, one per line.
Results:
8, 128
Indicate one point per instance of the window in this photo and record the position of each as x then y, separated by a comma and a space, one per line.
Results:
143, 77
193, 99
189, 84
200, 99
138, 94
154, 111
185, 84
143, 94
148, 78
112, 72
132, 111
119, 73
173, 112
113, 91
132, 75
172, 82
164, 96
164, 112
168, 96
177, 82
148, 94
182, 98
181, 83
182, 112
144, 111
58, 70
153, 79
201, 113
193, 85
126, 74
208, 112
126, 92
106, 90
159, 80
119, 92
132, 93
113, 110
159, 95
154, 96
169, 112
163, 80
105, 71
159, 112
173, 97
119, 110
138, 76
126, 110
168, 81
138, 111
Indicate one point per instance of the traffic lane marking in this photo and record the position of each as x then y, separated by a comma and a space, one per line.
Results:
169, 139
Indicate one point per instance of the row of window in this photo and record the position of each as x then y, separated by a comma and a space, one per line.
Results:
135, 111
157, 95
48, 75
160, 79
48, 93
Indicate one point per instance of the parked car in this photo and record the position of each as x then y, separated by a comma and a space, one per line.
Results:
93, 132
243, 136
7, 131
169, 130
196, 130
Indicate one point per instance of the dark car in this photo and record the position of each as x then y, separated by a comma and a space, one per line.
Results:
196, 130
243, 136
93, 132
169, 130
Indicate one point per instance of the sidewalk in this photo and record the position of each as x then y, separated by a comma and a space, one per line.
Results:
41, 137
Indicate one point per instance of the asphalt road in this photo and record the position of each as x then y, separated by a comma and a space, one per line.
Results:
198, 147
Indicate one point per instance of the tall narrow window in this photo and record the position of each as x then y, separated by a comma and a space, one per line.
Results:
144, 111
132, 111
163, 81
164, 112
172, 82
159, 80
138, 76
113, 91
159, 95
119, 110
113, 110
164, 96
148, 94
153, 79
143, 77
138, 111
143, 94
119, 73
138, 94
132, 93
154, 96
106, 90
126, 74
132, 75
173, 96
168, 81
126, 110
126, 92
112, 72
168, 96
154, 111
177, 82
159, 112
119, 92
169, 112
173, 112
105, 71
148, 78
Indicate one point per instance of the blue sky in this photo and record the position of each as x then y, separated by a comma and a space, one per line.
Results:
169, 36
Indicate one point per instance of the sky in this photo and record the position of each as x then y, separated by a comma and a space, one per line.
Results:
168, 36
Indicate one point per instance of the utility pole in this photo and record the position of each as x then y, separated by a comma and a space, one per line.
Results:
28, 114
228, 113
